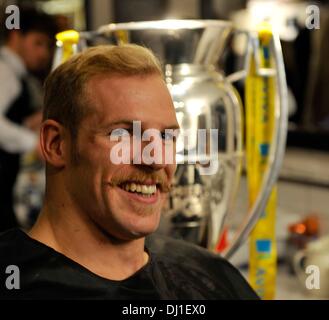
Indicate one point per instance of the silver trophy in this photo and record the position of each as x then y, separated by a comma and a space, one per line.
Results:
210, 146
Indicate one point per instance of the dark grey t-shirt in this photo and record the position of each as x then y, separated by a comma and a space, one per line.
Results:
176, 270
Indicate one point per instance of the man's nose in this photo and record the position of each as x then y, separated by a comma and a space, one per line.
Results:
152, 153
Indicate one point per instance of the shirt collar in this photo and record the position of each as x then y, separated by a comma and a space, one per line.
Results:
14, 61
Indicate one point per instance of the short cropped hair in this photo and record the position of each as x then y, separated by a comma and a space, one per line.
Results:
66, 99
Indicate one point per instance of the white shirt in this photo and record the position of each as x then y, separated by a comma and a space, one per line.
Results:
14, 138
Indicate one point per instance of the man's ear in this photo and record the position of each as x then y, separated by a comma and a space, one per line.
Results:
53, 140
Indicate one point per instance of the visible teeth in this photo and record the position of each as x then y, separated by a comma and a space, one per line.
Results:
141, 188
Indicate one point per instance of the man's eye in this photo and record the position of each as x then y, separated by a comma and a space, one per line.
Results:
168, 136
120, 132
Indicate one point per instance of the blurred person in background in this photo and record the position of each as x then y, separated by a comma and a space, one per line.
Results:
25, 50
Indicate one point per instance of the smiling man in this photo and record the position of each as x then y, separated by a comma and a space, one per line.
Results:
89, 240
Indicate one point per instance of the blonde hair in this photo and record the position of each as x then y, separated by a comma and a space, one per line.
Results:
66, 100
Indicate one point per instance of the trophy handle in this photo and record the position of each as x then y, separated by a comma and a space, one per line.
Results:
231, 160
277, 146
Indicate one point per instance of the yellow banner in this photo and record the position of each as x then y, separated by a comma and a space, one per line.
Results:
260, 102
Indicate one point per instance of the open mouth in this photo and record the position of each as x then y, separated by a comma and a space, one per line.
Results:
144, 190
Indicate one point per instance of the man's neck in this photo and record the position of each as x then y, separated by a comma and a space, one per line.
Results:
78, 238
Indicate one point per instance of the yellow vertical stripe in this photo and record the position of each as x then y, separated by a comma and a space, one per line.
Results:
260, 100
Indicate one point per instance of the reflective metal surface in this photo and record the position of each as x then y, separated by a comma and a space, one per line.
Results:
175, 41
201, 198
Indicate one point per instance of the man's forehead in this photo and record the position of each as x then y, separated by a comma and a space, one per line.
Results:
130, 104
37, 34
114, 79
124, 88
134, 123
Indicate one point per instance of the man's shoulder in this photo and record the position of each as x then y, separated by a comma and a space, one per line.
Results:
12, 256
9, 81
16, 247
6, 71
9, 238
12, 244
182, 252
204, 268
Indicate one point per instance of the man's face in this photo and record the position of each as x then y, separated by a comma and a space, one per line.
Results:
104, 190
35, 50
